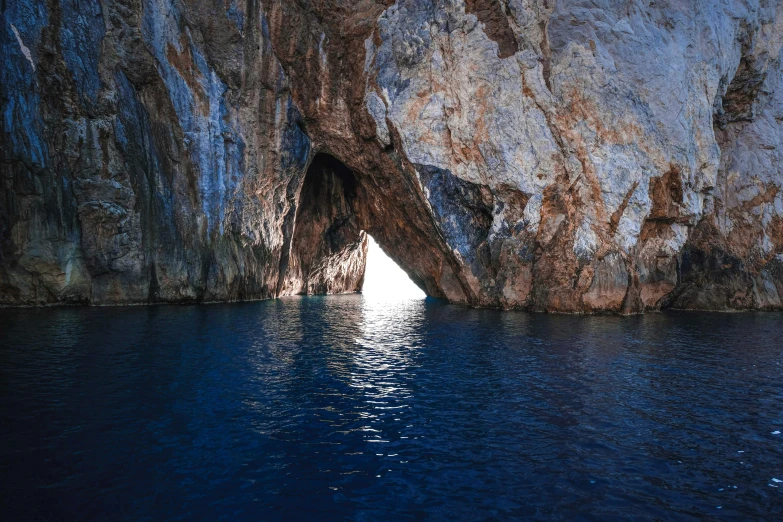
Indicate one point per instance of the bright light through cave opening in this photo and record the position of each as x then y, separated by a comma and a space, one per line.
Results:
384, 279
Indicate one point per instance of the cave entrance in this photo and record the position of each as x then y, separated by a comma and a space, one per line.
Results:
330, 250
384, 279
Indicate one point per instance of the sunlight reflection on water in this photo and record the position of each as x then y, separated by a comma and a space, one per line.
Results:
383, 370
358, 407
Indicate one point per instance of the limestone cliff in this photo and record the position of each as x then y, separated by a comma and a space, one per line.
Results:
573, 156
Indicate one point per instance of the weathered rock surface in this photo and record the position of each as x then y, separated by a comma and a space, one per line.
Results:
574, 156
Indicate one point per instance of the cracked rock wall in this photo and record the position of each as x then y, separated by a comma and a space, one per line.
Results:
151, 151
572, 156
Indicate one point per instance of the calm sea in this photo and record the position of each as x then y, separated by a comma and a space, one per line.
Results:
347, 408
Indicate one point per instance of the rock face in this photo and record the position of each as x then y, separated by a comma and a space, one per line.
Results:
579, 156
329, 247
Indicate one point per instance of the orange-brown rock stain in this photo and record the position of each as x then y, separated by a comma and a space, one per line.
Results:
182, 61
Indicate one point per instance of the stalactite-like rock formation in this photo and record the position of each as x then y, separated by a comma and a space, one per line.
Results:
550, 155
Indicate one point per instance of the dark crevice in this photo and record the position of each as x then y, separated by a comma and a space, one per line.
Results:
496, 25
546, 58
738, 102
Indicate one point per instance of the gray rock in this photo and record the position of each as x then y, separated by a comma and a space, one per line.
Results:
579, 156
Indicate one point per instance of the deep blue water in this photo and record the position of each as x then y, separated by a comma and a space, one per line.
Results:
343, 408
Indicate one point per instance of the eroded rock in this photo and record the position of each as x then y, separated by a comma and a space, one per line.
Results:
536, 154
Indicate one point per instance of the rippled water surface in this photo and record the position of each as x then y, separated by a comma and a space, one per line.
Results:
343, 408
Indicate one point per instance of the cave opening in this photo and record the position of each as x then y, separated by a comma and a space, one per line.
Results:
331, 250
384, 279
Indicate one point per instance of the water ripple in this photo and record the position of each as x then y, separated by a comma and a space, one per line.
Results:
345, 408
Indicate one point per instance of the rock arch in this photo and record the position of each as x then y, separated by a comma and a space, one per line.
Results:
337, 208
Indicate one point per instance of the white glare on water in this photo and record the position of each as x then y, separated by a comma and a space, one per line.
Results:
384, 279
